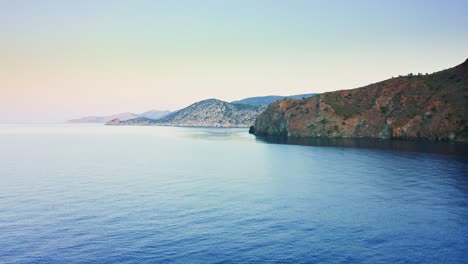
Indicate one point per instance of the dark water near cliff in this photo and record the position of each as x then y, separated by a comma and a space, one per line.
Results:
99, 194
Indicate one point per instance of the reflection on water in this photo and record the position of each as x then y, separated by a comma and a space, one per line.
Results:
451, 148
214, 133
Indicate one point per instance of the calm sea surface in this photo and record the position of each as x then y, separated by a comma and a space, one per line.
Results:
103, 194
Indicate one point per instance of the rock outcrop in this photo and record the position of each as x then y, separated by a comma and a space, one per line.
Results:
424, 107
115, 121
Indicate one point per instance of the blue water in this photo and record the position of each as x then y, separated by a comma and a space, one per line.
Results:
102, 194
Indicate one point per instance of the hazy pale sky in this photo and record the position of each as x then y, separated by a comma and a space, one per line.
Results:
66, 59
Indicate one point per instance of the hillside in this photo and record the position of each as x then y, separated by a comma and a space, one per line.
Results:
425, 107
152, 114
266, 100
206, 113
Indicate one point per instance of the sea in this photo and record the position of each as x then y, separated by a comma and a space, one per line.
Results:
90, 193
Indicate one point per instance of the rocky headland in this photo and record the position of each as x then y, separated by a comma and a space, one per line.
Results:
420, 107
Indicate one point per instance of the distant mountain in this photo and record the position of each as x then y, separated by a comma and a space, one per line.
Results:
152, 114
420, 107
206, 113
155, 114
266, 100
103, 119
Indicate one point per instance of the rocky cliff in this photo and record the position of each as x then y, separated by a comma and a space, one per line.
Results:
426, 107
207, 113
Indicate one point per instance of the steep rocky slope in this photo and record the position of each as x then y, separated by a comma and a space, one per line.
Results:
207, 113
427, 107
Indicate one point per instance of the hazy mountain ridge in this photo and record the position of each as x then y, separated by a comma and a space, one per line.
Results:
206, 113
151, 114
155, 114
266, 100
103, 119
430, 107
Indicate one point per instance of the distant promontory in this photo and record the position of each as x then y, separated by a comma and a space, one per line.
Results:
211, 113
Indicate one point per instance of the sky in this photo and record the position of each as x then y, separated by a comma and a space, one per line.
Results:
65, 59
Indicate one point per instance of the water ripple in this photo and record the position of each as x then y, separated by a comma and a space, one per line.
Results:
90, 194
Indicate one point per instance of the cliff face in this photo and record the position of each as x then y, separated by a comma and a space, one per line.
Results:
432, 107
207, 113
